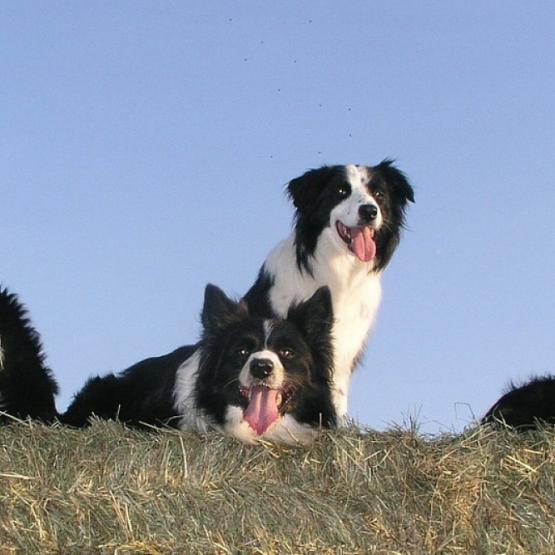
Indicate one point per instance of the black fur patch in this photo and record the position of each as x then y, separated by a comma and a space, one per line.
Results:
142, 394
523, 407
27, 387
397, 192
258, 296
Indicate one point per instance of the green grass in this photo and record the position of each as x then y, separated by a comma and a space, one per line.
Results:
108, 489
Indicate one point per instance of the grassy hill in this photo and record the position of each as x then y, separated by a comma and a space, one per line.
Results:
108, 489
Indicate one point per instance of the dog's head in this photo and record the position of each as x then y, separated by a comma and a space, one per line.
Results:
265, 369
357, 210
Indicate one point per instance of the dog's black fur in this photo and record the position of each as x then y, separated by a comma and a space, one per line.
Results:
27, 387
526, 406
139, 395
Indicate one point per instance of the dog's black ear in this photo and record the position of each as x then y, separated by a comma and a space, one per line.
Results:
396, 179
314, 317
304, 190
219, 310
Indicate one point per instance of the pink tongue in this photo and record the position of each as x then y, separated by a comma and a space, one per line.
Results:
362, 243
262, 410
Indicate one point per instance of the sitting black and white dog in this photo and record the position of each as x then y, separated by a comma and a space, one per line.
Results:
524, 407
249, 377
27, 387
348, 222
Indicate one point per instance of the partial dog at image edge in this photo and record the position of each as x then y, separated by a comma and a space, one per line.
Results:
525, 407
348, 223
27, 387
249, 377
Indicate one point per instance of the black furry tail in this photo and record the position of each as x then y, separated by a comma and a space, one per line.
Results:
525, 407
100, 397
27, 386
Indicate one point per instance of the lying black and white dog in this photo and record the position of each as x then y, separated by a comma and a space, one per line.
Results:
524, 407
249, 377
27, 387
348, 224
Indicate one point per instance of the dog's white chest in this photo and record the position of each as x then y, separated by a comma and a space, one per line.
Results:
356, 295
355, 312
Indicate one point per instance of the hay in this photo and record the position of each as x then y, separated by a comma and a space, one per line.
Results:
108, 489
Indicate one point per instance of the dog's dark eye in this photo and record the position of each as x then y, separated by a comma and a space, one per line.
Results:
242, 352
343, 190
378, 195
286, 353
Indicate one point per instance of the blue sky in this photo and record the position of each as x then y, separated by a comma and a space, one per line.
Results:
145, 147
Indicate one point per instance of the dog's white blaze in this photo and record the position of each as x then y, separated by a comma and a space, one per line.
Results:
273, 381
354, 171
285, 430
192, 418
356, 290
347, 210
268, 329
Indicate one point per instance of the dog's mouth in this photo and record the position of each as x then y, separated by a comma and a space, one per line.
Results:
266, 405
359, 239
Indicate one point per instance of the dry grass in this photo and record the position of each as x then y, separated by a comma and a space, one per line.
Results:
112, 490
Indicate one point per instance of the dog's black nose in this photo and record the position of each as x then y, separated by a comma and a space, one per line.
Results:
367, 212
261, 367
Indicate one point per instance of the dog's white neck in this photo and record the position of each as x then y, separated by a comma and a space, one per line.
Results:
356, 295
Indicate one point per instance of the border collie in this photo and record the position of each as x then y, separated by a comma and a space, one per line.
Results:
248, 377
348, 222
27, 387
524, 407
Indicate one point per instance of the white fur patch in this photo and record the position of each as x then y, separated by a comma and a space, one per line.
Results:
347, 210
192, 418
285, 430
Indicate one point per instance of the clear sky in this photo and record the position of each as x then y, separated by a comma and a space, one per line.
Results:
144, 149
